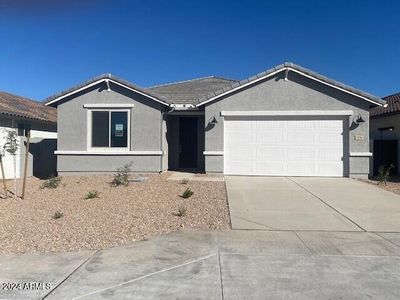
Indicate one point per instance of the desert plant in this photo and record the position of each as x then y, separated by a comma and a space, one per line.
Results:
3, 175
187, 193
184, 181
51, 183
11, 146
57, 215
181, 211
384, 173
92, 194
121, 177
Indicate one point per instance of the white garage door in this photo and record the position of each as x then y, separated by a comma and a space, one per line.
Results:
294, 146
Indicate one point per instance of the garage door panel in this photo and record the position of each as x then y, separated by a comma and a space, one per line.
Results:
328, 168
272, 138
300, 154
275, 168
303, 169
299, 138
291, 147
264, 153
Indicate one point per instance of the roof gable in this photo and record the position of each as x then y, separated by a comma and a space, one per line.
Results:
107, 78
290, 67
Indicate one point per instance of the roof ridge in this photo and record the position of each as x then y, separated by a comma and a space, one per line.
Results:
21, 97
388, 96
189, 80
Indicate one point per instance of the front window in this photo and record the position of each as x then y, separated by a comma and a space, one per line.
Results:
109, 129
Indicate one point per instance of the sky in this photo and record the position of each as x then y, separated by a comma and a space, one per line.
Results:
48, 46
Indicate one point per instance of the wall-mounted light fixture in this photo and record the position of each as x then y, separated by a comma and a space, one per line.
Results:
213, 121
359, 119
390, 128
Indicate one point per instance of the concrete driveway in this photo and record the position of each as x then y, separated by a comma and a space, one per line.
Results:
234, 264
322, 204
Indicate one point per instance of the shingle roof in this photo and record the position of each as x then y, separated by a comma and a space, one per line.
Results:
22, 107
292, 66
113, 78
201, 90
190, 91
393, 107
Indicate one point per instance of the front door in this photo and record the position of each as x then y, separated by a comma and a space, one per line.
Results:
188, 142
385, 153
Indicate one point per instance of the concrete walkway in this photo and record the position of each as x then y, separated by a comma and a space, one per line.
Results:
322, 204
219, 265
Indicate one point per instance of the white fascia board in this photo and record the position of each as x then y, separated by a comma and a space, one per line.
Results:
111, 152
99, 81
213, 153
108, 105
336, 87
288, 69
288, 113
361, 154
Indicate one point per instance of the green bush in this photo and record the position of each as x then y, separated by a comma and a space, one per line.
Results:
51, 183
384, 174
92, 194
187, 193
57, 215
121, 177
181, 211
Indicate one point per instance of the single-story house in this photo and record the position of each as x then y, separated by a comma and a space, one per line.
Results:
286, 121
21, 114
385, 134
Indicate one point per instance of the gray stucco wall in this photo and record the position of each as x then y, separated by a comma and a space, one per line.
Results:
145, 131
298, 93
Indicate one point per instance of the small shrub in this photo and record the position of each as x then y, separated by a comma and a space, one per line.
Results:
384, 173
57, 215
51, 183
181, 211
184, 181
187, 193
121, 177
92, 194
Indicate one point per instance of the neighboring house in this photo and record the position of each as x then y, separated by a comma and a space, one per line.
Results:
286, 121
21, 113
385, 134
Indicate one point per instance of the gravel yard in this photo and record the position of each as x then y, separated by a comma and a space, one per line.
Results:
393, 185
119, 215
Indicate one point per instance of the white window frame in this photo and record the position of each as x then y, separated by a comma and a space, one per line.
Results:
109, 148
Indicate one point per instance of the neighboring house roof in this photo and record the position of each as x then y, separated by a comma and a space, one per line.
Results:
295, 68
393, 107
21, 107
190, 91
105, 78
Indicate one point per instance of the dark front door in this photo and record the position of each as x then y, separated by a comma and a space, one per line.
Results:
385, 153
188, 142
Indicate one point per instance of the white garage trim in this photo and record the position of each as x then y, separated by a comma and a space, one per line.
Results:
287, 113
360, 154
215, 153
286, 146
108, 105
111, 152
